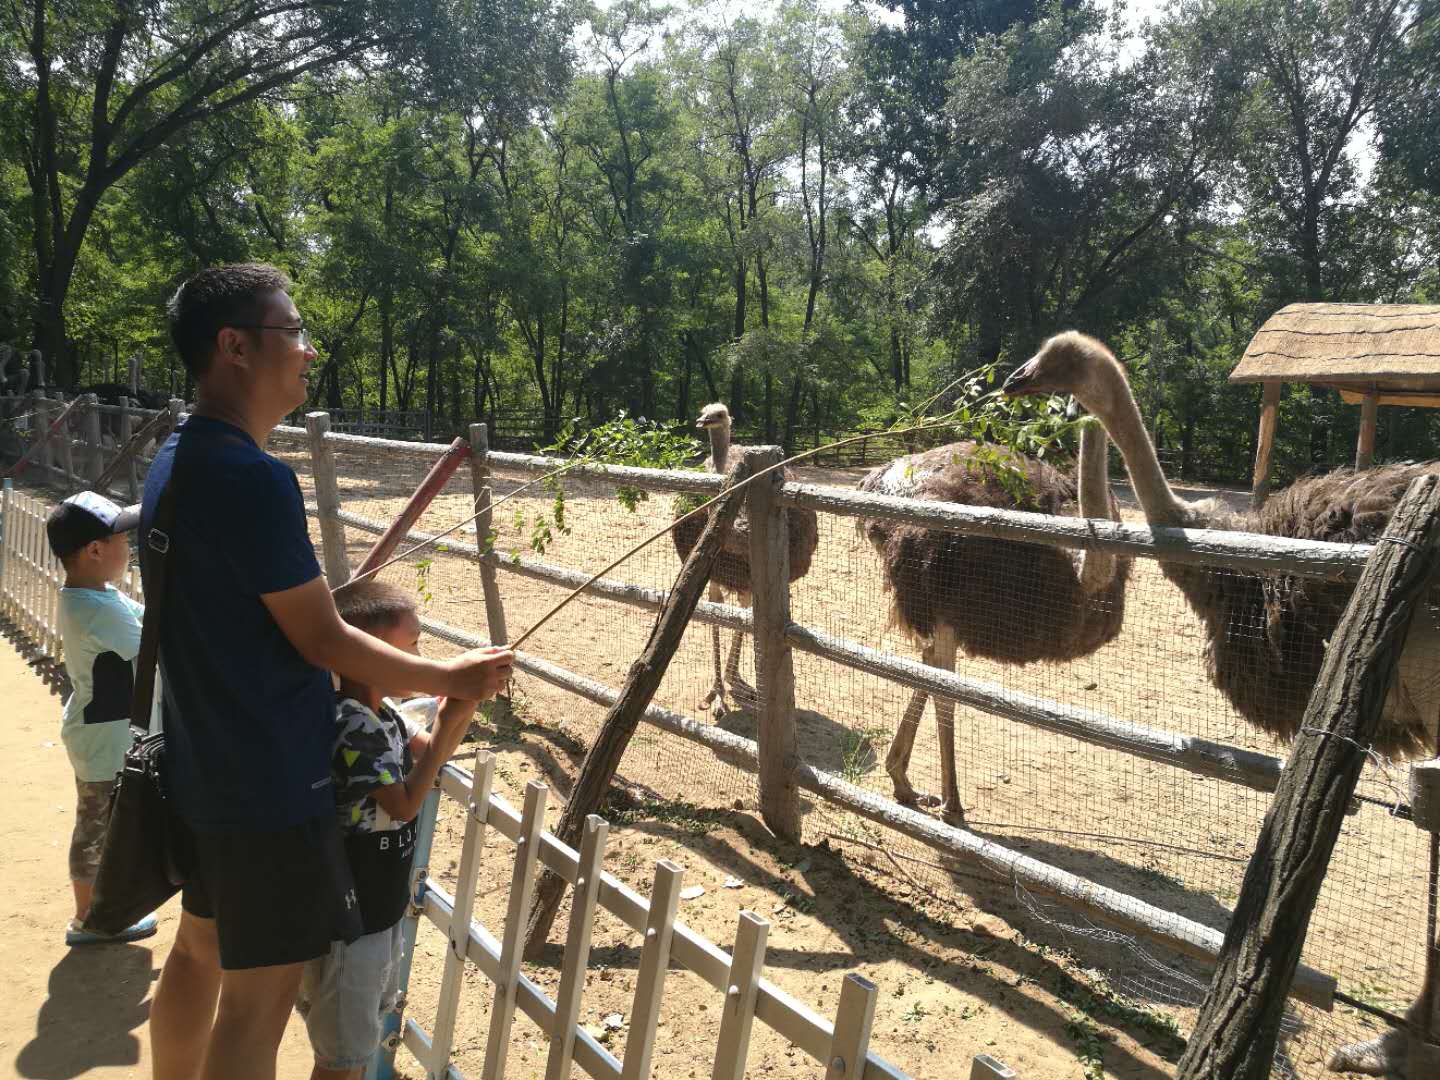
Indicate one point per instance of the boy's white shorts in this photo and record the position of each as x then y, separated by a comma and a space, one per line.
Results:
344, 997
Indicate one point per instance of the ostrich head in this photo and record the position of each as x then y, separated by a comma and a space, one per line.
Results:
713, 416
714, 420
1070, 363
1073, 363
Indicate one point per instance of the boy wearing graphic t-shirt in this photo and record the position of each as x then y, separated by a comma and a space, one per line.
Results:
381, 769
100, 627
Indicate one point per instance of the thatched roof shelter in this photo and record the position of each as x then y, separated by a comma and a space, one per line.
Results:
1374, 354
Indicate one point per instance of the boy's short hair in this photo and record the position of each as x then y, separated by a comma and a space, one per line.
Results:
372, 605
214, 298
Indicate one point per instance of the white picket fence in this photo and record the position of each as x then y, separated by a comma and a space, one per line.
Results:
840, 1048
31, 577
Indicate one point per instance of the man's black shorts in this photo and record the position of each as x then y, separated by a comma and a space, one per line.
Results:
276, 897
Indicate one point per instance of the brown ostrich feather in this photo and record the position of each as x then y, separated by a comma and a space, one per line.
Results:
732, 567
1015, 603
1266, 633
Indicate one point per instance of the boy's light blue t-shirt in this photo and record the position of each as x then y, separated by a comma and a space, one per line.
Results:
101, 631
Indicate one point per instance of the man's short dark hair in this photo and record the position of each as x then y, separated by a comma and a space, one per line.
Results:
372, 605
217, 297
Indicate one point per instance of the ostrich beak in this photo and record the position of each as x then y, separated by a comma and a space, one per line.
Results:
1020, 382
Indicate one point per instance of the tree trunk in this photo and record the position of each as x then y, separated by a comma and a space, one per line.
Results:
682, 385
1239, 1023
387, 344
741, 268
792, 413
769, 408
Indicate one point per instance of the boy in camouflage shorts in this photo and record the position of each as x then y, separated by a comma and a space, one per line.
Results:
382, 770
100, 627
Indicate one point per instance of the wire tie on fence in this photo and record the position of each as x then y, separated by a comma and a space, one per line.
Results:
1382, 764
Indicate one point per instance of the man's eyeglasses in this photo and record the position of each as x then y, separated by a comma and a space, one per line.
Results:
300, 333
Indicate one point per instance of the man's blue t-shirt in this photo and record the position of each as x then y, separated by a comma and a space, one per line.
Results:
248, 722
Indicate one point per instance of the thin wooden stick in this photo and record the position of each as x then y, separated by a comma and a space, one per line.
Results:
703, 506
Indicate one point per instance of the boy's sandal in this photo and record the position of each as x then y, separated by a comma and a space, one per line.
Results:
76, 934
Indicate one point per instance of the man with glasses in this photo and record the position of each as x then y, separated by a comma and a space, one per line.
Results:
249, 637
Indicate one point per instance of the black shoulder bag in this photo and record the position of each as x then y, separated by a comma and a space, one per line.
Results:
140, 867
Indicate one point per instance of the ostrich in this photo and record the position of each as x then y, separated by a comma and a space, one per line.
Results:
732, 568
1014, 603
1266, 677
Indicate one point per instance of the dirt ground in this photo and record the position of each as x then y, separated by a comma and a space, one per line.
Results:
955, 982
73, 1012
964, 965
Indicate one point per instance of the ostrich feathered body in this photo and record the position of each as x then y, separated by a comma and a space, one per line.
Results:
732, 565
1015, 603
1266, 633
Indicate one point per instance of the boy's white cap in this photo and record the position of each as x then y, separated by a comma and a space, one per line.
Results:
84, 517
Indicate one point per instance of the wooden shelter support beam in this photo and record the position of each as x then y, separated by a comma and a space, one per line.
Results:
1365, 447
1265, 444
1239, 1024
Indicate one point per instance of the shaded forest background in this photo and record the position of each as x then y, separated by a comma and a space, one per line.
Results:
541, 209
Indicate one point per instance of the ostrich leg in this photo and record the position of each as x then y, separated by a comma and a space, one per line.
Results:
944, 657
716, 696
743, 693
897, 758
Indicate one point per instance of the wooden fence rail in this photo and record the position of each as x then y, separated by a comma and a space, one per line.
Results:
73, 443
1232, 551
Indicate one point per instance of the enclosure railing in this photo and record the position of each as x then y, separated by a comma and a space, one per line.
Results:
841, 1048
70, 442
782, 776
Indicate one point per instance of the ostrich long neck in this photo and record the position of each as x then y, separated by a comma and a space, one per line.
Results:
1097, 568
1117, 410
720, 447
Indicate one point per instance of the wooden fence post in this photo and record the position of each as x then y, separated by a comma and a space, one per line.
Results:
127, 431
774, 665
327, 498
644, 678
43, 419
1239, 1023
95, 457
67, 446
489, 585
854, 1019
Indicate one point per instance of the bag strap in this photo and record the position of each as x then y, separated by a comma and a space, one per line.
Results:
155, 572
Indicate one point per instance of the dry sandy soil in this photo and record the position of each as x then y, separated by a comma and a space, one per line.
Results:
73, 1012
964, 965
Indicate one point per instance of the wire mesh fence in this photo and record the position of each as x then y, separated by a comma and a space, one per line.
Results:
1171, 837
1166, 835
